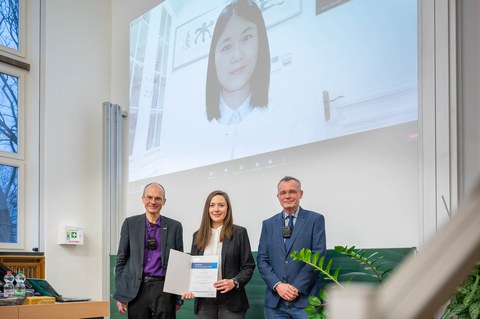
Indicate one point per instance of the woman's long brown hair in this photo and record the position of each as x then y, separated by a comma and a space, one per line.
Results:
205, 231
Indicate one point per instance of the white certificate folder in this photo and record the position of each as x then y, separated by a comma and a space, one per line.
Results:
195, 274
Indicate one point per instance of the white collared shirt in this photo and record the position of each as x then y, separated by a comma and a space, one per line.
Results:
214, 248
229, 116
295, 215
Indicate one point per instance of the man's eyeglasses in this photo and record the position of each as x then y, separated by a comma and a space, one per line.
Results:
150, 199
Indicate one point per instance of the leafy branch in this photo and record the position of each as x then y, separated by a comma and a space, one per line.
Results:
316, 309
373, 262
305, 255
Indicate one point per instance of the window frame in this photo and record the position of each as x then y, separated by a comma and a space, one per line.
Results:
20, 74
21, 52
20, 244
18, 159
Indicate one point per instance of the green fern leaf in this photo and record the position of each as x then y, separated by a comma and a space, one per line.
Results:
337, 272
302, 254
327, 270
386, 272
340, 249
362, 253
320, 264
308, 255
372, 255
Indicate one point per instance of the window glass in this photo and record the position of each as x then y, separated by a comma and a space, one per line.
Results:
11, 158
8, 113
8, 204
9, 22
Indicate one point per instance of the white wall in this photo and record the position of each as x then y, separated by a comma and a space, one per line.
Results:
76, 80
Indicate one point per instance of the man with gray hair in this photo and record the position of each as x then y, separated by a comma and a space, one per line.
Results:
289, 283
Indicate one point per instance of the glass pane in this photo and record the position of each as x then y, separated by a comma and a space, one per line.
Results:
8, 113
156, 81
9, 21
136, 83
134, 27
141, 45
154, 127
8, 204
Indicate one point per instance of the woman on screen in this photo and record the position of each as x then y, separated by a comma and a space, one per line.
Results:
238, 75
218, 235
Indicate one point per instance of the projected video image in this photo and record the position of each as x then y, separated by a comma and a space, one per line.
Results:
213, 81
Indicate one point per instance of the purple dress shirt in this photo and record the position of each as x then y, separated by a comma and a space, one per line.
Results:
152, 262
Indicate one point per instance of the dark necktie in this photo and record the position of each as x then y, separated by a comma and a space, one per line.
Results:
290, 225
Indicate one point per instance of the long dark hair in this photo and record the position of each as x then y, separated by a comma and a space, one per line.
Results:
205, 231
260, 80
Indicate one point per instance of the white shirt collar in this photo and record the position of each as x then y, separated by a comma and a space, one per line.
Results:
242, 111
295, 215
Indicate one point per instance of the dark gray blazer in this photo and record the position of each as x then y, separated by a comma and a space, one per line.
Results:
129, 265
274, 262
238, 262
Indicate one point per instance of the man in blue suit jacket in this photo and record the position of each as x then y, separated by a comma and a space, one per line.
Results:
289, 283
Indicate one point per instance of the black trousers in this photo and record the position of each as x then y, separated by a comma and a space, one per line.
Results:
152, 303
212, 308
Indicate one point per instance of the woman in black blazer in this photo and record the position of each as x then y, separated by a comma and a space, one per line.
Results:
218, 235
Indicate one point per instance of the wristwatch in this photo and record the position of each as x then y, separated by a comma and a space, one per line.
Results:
236, 283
